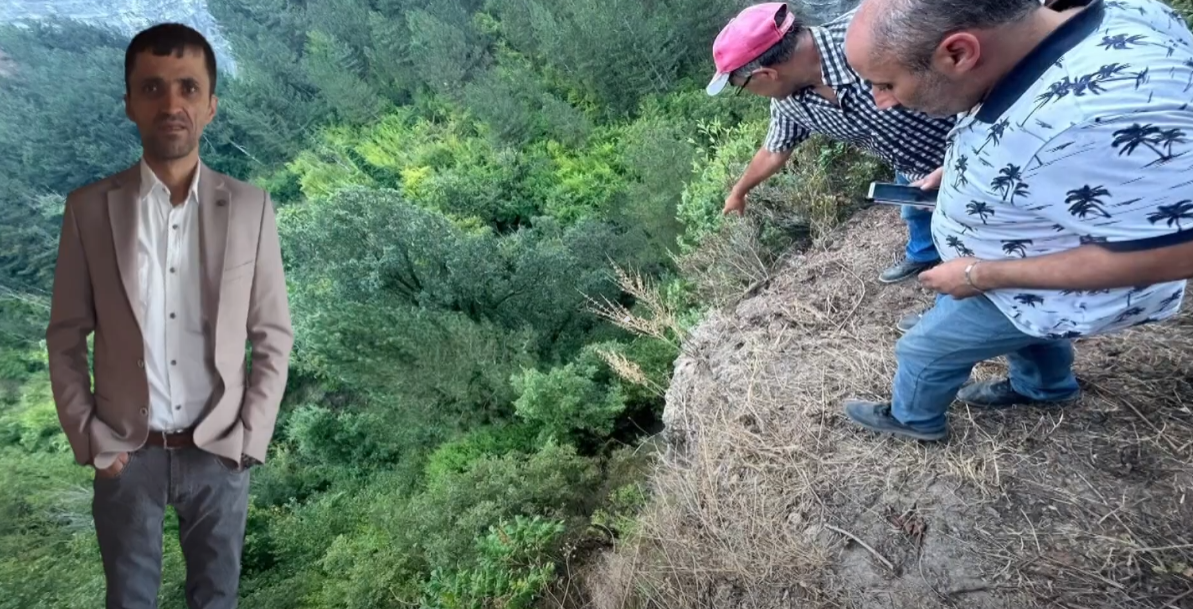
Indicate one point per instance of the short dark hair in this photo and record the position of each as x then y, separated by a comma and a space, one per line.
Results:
779, 52
168, 39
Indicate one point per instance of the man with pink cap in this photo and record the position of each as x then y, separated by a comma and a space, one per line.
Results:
768, 51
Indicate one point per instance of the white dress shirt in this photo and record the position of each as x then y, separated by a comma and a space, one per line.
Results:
170, 273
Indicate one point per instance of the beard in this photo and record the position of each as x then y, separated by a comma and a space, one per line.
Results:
937, 96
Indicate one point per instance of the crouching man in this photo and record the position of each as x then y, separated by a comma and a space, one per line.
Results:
1066, 205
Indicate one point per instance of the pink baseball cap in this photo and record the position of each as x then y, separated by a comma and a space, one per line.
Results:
747, 36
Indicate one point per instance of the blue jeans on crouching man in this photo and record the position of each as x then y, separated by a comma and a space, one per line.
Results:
935, 359
920, 247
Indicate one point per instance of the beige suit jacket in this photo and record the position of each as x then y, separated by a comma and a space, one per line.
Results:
95, 291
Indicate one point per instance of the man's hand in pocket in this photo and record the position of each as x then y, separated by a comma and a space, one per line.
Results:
115, 468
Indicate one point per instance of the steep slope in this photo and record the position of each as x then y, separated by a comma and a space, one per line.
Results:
767, 497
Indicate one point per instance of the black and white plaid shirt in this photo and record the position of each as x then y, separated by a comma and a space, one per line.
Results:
912, 142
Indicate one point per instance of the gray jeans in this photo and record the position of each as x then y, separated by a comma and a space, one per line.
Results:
211, 499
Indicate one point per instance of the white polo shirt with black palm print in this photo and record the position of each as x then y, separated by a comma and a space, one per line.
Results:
1088, 141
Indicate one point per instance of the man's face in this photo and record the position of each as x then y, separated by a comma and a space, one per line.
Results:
941, 90
170, 101
928, 91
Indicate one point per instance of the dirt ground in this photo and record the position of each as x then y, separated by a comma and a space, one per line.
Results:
766, 497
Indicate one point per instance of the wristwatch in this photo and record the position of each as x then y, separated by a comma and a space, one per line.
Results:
246, 461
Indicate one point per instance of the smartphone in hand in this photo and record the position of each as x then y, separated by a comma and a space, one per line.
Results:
889, 193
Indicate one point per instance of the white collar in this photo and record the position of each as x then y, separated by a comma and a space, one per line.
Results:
149, 180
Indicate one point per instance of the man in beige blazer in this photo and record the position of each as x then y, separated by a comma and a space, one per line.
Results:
174, 268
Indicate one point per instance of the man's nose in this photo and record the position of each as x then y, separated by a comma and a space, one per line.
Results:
172, 101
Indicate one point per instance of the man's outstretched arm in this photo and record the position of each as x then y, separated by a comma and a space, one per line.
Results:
764, 165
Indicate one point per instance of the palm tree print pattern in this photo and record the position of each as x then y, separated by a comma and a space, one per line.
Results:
960, 167
1173, 214
1128, 314
1065, 335
1159, 141
1030, 300
1010, 182
1093, 83
994, 135
1016, 246
1170, 299
981, 209
1125, 42
959, 246
1086, 200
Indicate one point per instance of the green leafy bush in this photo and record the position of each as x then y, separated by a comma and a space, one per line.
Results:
512, 567
717, 166
458, 455
565, 401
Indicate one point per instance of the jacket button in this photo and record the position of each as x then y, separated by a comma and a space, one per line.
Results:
221, 203
144, 411
140, 363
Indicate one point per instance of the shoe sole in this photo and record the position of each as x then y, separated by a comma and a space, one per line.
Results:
910, 435
989, 406
881, 279
902, 433
898, 279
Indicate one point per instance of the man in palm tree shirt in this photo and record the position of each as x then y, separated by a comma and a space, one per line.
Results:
767, 51
1066, 202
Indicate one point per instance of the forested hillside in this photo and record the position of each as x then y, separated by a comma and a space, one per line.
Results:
499, 218
470, 193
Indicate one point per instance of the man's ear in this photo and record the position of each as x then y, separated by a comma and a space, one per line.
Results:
215, 102
127, 110
770, 74
958, 53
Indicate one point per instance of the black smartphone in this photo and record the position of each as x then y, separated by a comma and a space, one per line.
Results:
901, 194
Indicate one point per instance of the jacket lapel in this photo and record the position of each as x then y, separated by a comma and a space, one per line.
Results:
214, 209
123, 214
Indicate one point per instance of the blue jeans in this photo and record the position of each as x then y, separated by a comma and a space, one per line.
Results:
936, 357
920, 247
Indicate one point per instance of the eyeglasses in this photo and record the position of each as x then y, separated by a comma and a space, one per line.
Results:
743, 84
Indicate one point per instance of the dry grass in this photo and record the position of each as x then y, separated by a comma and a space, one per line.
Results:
767, 497
657, 320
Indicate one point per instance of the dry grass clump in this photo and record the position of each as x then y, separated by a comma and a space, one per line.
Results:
810, 197
767, 497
